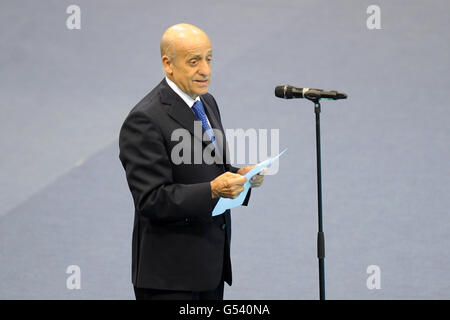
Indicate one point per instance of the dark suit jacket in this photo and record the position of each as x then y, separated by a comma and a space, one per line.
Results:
177, 244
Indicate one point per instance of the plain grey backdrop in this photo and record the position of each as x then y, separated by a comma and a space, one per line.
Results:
385, 152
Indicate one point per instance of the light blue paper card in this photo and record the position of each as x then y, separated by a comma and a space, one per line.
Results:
226, 203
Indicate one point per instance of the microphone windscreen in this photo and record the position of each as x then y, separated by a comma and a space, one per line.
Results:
279, 91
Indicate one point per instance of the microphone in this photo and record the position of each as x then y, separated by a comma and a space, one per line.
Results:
289, 92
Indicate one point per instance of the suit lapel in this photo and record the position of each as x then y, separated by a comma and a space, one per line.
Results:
179, 111
183, 114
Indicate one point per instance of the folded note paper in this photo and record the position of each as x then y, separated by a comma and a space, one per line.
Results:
226, 203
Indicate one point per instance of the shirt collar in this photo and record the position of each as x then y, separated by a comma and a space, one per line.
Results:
186, 98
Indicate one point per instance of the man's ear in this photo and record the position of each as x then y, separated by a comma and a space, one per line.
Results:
167, 64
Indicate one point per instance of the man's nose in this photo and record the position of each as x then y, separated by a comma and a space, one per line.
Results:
204, 68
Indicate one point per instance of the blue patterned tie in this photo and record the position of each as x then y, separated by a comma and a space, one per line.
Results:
199, 111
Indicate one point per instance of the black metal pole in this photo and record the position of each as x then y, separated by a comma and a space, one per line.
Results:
320, 234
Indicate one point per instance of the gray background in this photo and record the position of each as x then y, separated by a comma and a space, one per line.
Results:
65, 93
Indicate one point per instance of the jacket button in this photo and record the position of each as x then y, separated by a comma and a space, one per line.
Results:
187, 220
224, 226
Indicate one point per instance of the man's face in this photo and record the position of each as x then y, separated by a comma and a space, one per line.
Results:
191, 66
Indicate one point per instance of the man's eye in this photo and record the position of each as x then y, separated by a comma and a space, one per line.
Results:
193, 62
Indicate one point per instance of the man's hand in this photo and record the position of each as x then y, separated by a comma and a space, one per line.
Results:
228, 185
257, 179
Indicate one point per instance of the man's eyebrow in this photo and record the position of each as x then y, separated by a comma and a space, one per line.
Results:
196, 56
199, 57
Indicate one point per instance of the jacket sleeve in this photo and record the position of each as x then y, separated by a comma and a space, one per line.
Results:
148, 169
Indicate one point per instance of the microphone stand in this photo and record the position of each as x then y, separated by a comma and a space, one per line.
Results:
314, 95
320, 234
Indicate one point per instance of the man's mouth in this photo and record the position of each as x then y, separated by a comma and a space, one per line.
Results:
201, 81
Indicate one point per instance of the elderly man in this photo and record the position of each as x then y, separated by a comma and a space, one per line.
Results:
179, 250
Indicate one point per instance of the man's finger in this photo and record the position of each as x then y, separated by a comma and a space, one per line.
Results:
257, 178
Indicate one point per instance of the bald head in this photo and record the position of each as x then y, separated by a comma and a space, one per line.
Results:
186, 57
178, 36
